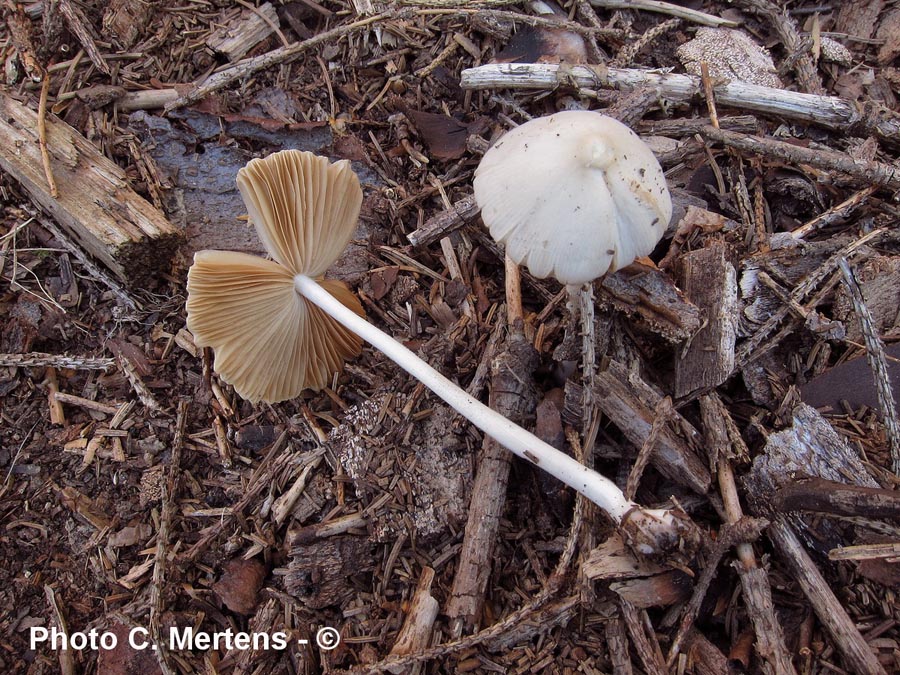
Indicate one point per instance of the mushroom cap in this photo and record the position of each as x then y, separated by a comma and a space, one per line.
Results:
573, 195
305, 208
271, 343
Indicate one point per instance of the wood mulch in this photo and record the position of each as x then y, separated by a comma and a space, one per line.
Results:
745, 373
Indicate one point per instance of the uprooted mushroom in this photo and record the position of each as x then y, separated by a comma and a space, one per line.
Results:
277, 327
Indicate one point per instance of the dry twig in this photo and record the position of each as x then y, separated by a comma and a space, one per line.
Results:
877, 362
828, 111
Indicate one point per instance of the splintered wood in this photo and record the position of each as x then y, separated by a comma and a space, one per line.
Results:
709, 282
252, 27
95, 205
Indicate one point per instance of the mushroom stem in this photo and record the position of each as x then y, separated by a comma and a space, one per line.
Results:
602, 491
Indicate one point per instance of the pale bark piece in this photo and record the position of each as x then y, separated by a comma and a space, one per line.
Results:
614, 560
417, 627
710, 283
248, 30
95, 204
810, 446
730, 55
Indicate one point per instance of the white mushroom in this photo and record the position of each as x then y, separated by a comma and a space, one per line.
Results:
573, 195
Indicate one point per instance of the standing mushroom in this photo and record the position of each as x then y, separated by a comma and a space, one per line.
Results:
277, 327
573, 195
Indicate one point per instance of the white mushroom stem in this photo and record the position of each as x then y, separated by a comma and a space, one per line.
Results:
602, 491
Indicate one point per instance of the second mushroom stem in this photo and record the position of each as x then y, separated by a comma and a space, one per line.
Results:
591, 484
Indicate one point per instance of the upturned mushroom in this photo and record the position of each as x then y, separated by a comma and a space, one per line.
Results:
277, 327
573, 195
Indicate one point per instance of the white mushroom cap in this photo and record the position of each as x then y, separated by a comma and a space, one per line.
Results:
573, 195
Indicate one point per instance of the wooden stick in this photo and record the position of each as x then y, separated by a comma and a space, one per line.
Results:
629, 402
644, 640
780, 20
57, 414
169, 507
836, 213
330, 528
617, 643
828, 608
744, 530
513, 395
66, 656
445, 222
137, 384
286, 502
877, 362
750, 348
685, 13
661, 416
42, 360
417, 627
85, 403
42, 136
825, 496
146, 99
247, 67
514, 314
829, 111
866, 552
754, 579
705, 657
222, 444
869, 172
78, 25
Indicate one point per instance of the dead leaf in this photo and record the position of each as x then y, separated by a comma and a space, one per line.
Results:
382, 281
544, 45
131, 535
123, 659
694, 219
238, 587
445, 136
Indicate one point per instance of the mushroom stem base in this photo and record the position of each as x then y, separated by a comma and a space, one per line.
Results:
591, 484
